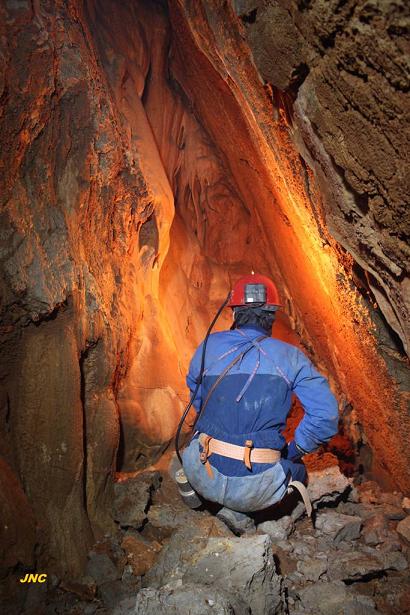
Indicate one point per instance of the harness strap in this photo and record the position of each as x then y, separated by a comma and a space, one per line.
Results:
296, 484
234, 451
247, 454
204, 456
255, 342
221, 377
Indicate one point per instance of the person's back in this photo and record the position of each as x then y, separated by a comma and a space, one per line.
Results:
244, 399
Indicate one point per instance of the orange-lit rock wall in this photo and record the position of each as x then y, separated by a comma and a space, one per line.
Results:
145, 168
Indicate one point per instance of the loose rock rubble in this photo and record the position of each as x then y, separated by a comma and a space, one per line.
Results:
350, 559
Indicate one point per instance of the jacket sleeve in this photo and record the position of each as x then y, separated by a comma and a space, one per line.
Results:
193, 373
320, 421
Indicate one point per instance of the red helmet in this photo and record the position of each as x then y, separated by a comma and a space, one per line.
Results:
254, 289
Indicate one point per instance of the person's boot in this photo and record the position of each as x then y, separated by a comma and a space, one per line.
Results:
238, 522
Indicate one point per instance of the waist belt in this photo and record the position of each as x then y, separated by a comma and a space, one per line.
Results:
246, 453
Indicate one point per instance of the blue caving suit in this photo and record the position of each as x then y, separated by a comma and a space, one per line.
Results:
252, 402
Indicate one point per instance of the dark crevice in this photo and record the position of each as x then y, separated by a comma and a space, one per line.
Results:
249, 17
299, 75
147, 85
60, 307
380, 574
83, 357
362, 280
121, 449
304, 5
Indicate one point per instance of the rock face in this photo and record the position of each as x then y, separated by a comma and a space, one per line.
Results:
236, 566
347, 69
131, 498
144, 168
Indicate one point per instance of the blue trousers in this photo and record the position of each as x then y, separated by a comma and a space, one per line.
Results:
241, 493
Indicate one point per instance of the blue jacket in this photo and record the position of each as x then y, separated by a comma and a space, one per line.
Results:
253, 400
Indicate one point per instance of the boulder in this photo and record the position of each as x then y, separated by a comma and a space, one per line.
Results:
192, 599
363, 564
339, 527
278, 530
132, 498
243, 567
403, 528
334, 599
169, 517
405, 504
312, 569
375, 530
141, 555
327, 485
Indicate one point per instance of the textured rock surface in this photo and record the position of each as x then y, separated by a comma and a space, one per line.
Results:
193, 599
18, 531
132, 497
239, 566
339, 527
403, 528
346, 65
333, 599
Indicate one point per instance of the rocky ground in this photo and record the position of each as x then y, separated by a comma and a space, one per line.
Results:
350, 559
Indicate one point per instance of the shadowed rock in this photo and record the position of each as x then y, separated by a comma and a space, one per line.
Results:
132, 497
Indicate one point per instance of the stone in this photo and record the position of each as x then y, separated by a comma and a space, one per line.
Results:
312, 569
192, 599
369, 492
391, 543
353, 495
366, 511
327, 485
112, 593
393, 499
338, 526
132, 497
168, 517
394, 560
323, 597
334, 599
393, 513
365, 563
403, 529
375, 530
101, 568
240, 566
279, 530
405, 504
140, 555
244, 566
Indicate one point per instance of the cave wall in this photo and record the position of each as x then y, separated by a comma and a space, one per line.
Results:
76, 274
147, 167
255, 135
346, 67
